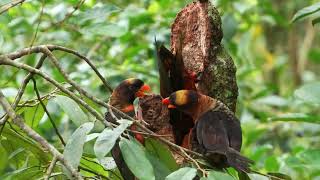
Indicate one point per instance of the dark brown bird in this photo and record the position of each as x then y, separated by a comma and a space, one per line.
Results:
174, 77
217, 132
122, 98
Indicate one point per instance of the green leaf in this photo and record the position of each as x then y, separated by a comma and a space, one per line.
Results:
271, 164
257, 177
186, 173
299, 117
74, 147
215, 175
135, 157
33, 115
310, 158
309, 93
108, 137
3, 158
72, 109
98, 13
105, 29
162, 152
306, 11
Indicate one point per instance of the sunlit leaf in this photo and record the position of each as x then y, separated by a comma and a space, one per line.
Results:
306, 11
108, 137
74, 147
186, 173
215, 175
72, 109
135, 157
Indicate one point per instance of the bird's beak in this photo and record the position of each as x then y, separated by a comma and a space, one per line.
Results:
142, 90
167, 102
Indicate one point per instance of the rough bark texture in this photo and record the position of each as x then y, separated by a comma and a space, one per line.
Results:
196, 37
153, 112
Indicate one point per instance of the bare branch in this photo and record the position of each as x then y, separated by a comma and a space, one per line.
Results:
68, 15
47, 112
39, 21
6, 61
23, 87
51, 167
10, 5
38, 49
17, 120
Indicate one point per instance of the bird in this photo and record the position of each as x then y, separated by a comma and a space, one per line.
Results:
217, 132
122, 98
173, 76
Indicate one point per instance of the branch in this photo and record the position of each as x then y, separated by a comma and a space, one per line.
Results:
47, 112
23, 87
17, 120
68, 15
10, 5
50, 168
38, 49
7, 61
44, 49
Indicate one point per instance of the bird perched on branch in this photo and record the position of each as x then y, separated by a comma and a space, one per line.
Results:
217, 132
122, 98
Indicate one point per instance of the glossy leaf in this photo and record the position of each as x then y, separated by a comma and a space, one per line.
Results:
74, 147
306, 11
185, 173
108, 137
72, 109
135, 157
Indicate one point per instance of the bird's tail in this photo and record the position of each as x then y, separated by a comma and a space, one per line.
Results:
237, 161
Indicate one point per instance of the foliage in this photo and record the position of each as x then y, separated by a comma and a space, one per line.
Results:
278, 80
308, 11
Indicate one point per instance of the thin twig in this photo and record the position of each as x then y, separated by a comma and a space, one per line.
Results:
38, 49
47, 112
39, 21
148, 134
6, 61
68, 15
10, 5
23, 86
50, 168
204, 172
17, 120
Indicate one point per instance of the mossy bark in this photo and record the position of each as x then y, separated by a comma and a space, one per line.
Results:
196, 36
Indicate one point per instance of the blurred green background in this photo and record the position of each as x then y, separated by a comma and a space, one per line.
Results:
278, 70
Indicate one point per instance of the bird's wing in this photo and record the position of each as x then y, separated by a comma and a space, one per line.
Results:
233, 128
211, 133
